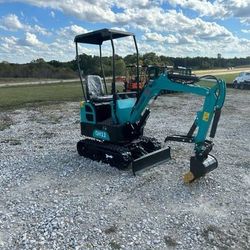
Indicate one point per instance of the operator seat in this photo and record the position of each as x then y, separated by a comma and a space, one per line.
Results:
95, 89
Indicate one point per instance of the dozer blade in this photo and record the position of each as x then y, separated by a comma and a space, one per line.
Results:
199, 168
151, 159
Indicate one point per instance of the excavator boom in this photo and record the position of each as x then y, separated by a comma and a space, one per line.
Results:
202, 162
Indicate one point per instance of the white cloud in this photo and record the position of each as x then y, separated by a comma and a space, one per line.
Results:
245, 20
219, 9
30, 47
102, 10
70, 31
160, 38
237, 8
29, 40
135, 4
165, 31
9, 40
245, 31
197, 48
38, 29
86, 9
52, 14
155, 19
11, 22
205, 8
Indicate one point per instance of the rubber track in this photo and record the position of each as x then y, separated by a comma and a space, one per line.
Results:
117, 155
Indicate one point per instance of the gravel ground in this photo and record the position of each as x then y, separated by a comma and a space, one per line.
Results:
51, 198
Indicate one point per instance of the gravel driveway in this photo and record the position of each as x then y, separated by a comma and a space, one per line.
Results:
51, 198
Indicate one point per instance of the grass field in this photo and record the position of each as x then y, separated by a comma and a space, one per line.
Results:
14, 80
29, 95
228, 78
19, 96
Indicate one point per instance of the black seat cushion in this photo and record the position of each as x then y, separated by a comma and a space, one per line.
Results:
108, 98
105, 98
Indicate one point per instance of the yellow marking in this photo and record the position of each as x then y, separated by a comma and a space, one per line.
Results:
205, 116
82, 103
188, 177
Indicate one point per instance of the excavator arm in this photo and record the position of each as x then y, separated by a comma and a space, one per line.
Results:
201, 162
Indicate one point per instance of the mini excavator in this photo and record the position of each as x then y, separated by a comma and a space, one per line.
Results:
113, 123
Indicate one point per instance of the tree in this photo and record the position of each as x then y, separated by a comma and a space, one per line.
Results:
151, 58
130, 59
39, 60
39, 68
120, 67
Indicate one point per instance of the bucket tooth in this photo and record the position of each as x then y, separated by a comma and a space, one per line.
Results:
151, 159
188, 177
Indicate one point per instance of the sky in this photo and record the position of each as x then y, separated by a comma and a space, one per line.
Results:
31, 29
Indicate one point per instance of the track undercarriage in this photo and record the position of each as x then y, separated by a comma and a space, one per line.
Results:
138, 154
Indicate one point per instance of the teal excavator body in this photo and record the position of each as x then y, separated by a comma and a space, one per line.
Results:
113, 123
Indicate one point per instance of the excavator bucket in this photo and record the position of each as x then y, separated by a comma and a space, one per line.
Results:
199, 168
151, 159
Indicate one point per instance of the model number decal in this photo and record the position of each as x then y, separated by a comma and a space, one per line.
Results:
100, 134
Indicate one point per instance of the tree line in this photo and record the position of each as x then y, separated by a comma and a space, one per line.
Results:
39, 68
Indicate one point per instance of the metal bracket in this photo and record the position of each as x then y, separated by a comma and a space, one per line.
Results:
180, 138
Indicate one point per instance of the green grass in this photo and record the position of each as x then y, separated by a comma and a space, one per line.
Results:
30, 95
20, 96
228, 78
4, 80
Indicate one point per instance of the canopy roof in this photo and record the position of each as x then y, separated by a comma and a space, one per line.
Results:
99, 36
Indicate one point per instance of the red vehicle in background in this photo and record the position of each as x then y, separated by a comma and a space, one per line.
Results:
130, 82
148, 72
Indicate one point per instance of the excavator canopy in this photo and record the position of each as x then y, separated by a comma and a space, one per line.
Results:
99, 36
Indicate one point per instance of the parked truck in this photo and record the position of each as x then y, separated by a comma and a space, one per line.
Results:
242, 81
